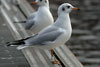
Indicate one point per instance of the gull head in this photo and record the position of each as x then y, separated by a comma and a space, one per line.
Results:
66, 8
41, 2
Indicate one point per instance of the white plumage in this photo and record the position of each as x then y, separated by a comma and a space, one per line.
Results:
52, 36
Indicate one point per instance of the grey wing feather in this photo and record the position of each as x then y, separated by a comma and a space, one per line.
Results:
29, 24
30, 21
39, 40
32, 16
51, 29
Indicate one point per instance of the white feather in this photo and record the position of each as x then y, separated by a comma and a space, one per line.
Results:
21, 47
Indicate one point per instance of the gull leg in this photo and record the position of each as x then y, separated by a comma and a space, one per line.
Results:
52, 56
54, 61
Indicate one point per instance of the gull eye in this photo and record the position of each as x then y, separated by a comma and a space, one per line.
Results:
40, 0
63, 9
68, 6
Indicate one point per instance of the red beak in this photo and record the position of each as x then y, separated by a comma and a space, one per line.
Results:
34, 3
75, 8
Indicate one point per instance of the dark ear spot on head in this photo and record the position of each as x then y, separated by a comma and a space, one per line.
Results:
45, 1
63, 9
40, 0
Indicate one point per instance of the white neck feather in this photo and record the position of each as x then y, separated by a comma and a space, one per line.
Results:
63, 21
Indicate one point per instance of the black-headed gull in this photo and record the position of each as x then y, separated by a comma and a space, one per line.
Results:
52, 36
39, 19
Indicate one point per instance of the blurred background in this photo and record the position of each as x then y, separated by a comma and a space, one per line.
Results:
85, 39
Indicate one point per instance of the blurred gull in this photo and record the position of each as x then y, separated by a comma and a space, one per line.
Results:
39, 19
51, 36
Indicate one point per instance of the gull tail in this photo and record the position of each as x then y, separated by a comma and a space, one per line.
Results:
18, 42
21, 47
15, 43
20, 22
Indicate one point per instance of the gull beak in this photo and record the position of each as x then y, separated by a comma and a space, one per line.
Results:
33, 3
75, 8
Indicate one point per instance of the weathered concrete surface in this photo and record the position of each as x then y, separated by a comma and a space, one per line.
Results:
9, 56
